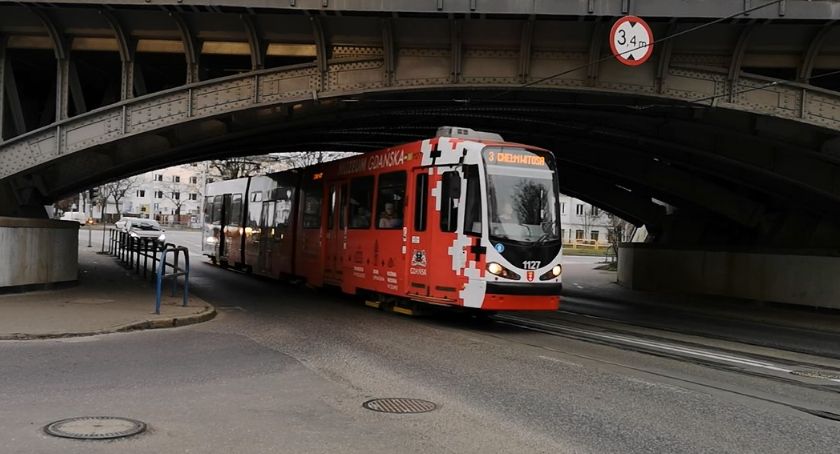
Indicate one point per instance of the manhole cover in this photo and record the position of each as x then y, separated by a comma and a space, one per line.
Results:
400, 405
816, 374
95, 428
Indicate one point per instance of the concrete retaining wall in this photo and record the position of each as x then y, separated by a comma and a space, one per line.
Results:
784, 278
37, 252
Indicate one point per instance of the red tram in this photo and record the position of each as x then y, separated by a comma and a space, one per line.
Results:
462, 219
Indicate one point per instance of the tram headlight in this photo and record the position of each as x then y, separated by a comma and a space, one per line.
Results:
499, 270
494, 268
553, 273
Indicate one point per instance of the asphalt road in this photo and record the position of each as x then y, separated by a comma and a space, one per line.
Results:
286, 369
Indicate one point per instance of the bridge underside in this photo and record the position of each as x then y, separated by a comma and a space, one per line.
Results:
727, 178
728, 136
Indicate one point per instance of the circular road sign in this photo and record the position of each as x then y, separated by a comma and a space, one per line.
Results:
631, 40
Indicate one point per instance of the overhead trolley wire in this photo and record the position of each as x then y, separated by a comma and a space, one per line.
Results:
667, 38
690, 103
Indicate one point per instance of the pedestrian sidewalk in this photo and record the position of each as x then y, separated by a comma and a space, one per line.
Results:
108, 298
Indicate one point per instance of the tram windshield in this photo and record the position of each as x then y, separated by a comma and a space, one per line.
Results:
521, 195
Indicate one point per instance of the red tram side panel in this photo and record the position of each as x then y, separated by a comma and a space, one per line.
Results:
451, 221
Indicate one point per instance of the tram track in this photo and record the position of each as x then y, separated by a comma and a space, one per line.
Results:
821, 348
725, 359
813, 376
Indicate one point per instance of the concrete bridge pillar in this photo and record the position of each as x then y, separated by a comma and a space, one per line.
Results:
37, 253
790, 277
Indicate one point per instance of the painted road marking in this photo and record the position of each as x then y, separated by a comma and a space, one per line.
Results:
656, 345
558, 360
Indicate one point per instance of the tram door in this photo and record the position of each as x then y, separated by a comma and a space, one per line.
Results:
419, 244
224, 237
309, 257
433, 234
266, 238
337, 198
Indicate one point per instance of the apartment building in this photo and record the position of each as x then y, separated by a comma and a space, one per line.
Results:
171, 196
582, 222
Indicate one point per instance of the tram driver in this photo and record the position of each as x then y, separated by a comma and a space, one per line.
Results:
388, 219
507, 214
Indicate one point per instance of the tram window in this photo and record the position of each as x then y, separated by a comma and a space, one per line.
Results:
472, 215
421, 195
450, 193
281, 193
208, 210
331, 207
235, 210
342, 211
390, 200
282, 210
217, 209
267, 215
361, 202
312, 207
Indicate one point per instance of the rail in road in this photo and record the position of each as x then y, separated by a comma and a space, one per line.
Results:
817, 374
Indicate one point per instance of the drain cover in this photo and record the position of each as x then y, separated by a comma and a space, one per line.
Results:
400, 405
95, 427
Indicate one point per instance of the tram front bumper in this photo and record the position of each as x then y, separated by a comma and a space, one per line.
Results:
524, 288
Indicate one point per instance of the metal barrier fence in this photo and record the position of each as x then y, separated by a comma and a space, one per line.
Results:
176, 271
136, 252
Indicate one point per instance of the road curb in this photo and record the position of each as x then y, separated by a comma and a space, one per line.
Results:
207, 314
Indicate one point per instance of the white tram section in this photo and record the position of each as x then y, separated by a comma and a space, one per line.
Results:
453, 153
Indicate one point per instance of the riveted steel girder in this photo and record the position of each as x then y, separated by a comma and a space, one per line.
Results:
349, 77
784, 9
126, 47
692, 86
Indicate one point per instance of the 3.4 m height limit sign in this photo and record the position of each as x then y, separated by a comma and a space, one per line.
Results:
631, 40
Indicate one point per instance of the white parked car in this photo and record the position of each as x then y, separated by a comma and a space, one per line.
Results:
141, 228
120, 225
81, 218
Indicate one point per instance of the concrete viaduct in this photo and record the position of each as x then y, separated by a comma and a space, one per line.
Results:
727, 141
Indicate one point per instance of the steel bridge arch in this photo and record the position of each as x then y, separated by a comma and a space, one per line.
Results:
357, 77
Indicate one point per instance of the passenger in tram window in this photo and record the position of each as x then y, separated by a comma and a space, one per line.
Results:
389, 219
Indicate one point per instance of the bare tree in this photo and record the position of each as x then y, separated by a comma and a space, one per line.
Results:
116, 191
308, 158
229, 169
65, 205
592, 216
178, 194
619, 231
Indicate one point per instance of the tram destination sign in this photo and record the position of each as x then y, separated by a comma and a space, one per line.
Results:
631, 40
513, 157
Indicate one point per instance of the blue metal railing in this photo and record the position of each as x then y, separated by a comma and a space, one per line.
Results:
135, 253
176, 272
